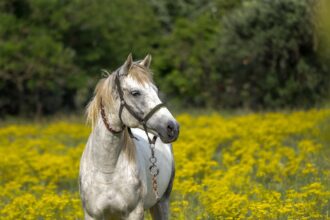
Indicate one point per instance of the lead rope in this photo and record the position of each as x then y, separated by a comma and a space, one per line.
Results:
153, 169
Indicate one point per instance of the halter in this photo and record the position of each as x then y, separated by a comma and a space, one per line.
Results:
141, 120
154, 170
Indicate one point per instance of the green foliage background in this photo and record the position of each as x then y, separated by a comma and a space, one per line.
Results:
210, 53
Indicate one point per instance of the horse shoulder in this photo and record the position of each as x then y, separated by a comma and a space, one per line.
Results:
165, 163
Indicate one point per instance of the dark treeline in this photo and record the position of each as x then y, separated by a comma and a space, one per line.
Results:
206, 53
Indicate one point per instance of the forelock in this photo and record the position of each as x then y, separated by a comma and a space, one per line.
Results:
140, 74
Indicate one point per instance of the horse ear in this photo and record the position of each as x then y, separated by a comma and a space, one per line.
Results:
146, 61
128, 64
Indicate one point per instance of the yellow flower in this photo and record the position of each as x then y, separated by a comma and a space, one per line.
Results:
256, 166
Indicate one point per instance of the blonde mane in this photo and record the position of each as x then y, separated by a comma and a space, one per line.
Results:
104, 93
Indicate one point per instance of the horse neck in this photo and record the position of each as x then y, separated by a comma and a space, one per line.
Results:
106, 147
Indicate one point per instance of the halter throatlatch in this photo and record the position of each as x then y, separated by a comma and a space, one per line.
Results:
154, 170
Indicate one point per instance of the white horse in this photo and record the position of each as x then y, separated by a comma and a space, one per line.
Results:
115, 180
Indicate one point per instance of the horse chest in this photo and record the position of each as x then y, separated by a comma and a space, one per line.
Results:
127, 184
114, 194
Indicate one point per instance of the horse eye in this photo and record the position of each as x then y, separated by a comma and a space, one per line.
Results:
135, 93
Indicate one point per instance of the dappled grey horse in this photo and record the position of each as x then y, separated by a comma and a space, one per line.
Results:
125, 171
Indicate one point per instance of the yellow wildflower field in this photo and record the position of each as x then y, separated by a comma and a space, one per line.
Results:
254, 166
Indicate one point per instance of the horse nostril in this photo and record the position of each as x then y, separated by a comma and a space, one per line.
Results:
170, 128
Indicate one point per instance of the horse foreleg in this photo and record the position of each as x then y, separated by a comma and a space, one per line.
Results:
137, 213
87, 216
160, 210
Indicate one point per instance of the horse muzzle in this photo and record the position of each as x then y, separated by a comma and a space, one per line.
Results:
169, 132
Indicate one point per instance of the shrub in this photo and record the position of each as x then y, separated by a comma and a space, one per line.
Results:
268, 56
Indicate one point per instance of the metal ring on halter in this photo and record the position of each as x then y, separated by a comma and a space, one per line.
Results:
153, 160
153, 170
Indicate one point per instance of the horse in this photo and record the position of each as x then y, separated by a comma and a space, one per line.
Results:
125, 169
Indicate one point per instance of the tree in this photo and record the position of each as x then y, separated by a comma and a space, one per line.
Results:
36, 70
51, 49
268, 56
185, 60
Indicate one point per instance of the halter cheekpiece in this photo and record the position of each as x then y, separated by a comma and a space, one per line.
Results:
154, 170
